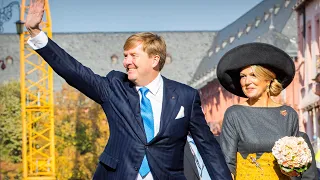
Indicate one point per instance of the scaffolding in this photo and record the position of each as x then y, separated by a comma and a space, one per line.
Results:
36, 76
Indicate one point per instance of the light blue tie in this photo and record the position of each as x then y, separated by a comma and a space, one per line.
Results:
147, 117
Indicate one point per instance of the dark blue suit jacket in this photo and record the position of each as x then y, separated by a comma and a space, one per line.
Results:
127, 144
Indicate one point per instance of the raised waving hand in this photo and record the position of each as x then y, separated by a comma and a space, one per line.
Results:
34, 16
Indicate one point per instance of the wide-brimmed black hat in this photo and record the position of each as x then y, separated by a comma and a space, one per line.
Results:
266, 55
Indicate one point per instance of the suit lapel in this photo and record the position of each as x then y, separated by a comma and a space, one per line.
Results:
134, 101
170, 99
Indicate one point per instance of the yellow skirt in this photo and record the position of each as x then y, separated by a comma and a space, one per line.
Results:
264, 168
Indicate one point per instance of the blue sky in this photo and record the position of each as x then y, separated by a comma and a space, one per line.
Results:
139, 15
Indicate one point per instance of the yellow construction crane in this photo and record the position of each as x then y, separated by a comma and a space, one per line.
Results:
38, 150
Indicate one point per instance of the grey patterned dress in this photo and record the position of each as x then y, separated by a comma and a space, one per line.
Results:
250, 130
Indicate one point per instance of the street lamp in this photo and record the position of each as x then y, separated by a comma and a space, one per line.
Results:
3, 65
6, 14
19, 26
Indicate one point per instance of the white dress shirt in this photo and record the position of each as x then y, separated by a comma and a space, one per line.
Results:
155, 96
155, 93
39, 41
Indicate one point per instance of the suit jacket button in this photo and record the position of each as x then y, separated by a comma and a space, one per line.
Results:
135, 168
145, 147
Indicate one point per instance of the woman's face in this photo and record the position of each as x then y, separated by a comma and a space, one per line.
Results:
252, 86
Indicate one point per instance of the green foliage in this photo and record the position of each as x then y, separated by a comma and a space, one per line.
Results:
10, 122
10, 131
81, 132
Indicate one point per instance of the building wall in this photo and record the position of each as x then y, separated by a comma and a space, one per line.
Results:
96, 49
308, 40
215, 100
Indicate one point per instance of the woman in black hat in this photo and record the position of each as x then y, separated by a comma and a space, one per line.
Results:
256, 71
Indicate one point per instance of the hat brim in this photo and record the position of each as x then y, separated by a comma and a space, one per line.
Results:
266, 55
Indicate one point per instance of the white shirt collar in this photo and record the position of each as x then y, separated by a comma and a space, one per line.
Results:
154, 86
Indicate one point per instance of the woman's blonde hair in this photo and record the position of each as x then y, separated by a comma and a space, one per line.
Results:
262, 73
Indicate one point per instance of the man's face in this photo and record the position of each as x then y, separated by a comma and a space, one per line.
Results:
252, 86
138, 64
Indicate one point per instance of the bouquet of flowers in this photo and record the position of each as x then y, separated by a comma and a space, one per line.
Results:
293, 155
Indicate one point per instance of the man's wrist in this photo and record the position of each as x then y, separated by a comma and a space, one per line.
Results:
33, 32
39, 41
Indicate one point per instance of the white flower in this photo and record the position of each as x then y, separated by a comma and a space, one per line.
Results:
292, 152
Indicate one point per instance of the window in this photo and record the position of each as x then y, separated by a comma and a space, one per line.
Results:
217, 49
224, 44
9, 60
286, 3
276, 9
168, 59
300, 39
318, 63
248, 28
114, 59
301, 35
231, 39
309, 35
266, 16
317, 28
310, 65
240, 33
257, 22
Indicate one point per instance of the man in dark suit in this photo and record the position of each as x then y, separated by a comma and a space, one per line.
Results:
149, 115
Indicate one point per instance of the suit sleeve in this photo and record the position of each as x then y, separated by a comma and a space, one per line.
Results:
207, 145
229, 141
80, 77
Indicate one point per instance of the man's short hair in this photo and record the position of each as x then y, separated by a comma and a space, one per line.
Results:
152, 44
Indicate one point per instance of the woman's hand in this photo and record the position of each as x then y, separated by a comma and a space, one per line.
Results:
290, 174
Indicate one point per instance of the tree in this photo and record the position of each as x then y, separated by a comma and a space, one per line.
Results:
10, 129
81, 130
